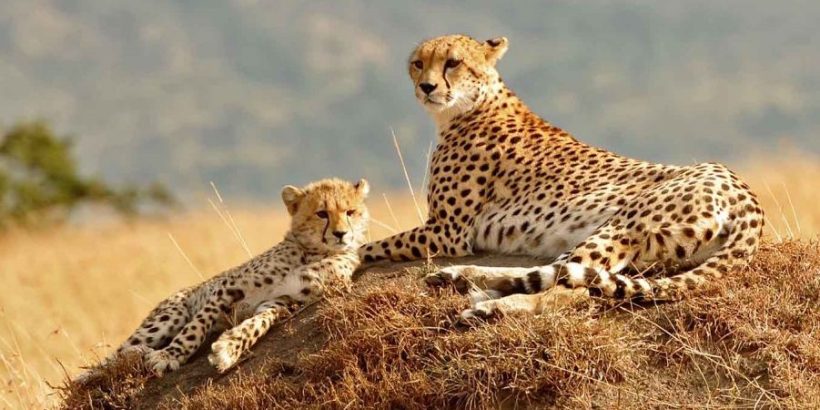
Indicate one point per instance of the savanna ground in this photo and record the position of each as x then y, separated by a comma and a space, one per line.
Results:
72, 293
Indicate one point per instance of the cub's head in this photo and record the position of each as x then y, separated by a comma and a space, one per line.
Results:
328, 215
452, 73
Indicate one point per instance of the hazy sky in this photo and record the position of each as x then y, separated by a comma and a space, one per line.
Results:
256, 94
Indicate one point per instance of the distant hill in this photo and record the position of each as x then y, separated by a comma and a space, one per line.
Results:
254, 94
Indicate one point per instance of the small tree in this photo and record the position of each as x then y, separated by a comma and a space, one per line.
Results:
39, 181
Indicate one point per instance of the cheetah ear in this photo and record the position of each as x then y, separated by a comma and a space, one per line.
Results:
291, 196
362, 187
495, 48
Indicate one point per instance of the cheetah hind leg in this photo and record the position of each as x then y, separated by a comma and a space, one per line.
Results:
190, 338
160, 327
155, 331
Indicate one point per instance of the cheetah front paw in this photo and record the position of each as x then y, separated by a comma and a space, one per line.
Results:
161, 362
449, 275
480, 312
225, 354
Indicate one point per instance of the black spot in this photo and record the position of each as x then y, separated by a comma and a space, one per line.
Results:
691, 284
236, 294
534, 281
620, 289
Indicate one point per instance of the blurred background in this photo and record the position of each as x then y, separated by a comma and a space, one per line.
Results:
241, 92
131, 102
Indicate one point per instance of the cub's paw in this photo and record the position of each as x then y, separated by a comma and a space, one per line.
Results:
450, 275
87, 376
135, 351
225, 353
161, 362
131, 352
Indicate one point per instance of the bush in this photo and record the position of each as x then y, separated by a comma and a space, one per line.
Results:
39, 180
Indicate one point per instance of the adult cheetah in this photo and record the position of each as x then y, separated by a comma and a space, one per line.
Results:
504, 180
328, 225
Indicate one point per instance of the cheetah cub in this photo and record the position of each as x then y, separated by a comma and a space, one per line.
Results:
328, 224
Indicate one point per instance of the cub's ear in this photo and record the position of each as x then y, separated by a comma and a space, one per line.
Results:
291, 196
362, 187
495, 48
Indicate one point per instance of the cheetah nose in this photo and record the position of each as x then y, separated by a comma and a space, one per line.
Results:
339, 234
427, 87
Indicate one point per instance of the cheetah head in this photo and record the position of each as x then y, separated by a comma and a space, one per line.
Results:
328, 215
453, 73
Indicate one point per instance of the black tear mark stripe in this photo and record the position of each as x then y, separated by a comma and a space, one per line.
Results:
327, 225
433, 56
444, 69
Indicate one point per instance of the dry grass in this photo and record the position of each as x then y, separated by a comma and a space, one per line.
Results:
72, 293
787, 185
750, 341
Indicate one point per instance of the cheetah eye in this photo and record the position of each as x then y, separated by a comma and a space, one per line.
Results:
452, 63
351, 212
322, 214
418, 64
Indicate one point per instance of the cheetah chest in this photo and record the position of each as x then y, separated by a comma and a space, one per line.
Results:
258, 290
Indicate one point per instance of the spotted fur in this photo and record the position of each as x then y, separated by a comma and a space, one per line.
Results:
504, 180
328, 224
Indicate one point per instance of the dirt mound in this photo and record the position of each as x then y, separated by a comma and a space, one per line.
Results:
750, 340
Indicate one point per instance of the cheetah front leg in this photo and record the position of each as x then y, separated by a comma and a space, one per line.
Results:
418, 243
190, 338
230, 346
474, 279
487, 281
